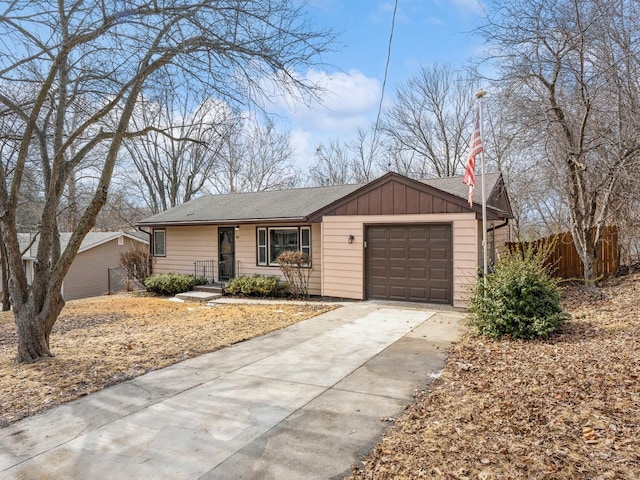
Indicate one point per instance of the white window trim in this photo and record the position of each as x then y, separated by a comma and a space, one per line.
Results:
267, 246
153, 240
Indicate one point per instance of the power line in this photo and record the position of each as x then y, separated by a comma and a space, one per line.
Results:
384, 82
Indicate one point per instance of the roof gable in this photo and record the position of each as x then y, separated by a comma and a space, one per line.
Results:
394, 194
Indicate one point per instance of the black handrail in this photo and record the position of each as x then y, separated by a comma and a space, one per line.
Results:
204, 269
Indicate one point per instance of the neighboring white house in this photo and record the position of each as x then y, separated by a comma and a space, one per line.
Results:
89, 272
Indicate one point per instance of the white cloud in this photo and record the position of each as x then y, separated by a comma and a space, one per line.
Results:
348, 101
472, 6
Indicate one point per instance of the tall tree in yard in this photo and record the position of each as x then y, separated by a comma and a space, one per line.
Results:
573, 66
99, 60
429, 122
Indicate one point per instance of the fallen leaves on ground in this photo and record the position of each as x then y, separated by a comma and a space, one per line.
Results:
105, 340
565, 408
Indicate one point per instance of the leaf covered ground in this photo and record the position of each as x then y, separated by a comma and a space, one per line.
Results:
564, 408
105, 340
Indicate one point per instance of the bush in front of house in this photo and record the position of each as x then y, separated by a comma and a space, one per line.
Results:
521, 299
296, 267
254, 286
169, 284
136, 262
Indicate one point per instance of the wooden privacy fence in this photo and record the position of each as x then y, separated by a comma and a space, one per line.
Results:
564, 258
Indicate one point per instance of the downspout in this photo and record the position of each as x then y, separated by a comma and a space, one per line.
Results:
496, 227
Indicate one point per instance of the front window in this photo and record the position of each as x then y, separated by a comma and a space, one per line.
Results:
159, 243
272, 241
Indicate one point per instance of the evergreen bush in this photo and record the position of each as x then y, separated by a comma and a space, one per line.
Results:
169, 284
521, 299
254, 286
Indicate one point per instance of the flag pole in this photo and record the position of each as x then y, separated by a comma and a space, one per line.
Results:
479, 96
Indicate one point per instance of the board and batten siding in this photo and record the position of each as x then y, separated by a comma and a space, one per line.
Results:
343, 263
187, 244
88, 275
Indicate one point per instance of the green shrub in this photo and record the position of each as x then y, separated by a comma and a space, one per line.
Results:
169, 284
521, 299
254, 286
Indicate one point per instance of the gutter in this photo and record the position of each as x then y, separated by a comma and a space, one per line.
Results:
244, 221
496, 227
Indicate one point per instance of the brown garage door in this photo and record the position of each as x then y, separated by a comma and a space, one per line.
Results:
410, 262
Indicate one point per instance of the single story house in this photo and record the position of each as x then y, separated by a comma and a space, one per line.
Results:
393, 238
88, 275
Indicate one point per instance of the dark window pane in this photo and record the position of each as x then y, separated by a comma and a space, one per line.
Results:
282, 240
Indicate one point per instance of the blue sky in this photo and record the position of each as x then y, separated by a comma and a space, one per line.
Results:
426, 31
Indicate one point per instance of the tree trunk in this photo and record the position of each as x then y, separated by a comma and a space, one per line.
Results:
34, 330
589, 264
6, 298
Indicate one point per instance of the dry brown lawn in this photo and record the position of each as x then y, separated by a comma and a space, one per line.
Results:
105, 340
566, 408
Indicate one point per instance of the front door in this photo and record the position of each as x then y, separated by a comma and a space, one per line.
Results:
226, 253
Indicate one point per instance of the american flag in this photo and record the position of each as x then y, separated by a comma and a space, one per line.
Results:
474, 150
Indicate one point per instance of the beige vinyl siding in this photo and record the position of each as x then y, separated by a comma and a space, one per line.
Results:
89, 272
496, 241
184, 246
187, 244
246, 254
502, 237
343, 263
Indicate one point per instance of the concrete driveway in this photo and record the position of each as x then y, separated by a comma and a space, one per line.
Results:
306, 402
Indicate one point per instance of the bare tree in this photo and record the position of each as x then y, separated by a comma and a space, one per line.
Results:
573, 65
332, 166
175, 160
429, 123
254, 156
101, 59
359, 160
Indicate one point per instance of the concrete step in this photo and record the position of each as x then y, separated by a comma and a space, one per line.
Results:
211, 288
194, 296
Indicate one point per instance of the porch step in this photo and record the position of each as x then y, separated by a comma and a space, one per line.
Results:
194, 296
210, 288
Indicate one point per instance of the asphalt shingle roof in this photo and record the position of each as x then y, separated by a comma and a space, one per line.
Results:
297, 203
271, 205
91, 240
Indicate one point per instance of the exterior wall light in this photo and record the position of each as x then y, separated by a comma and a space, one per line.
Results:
351, 239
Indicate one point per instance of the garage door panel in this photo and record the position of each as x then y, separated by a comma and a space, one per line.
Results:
397, 291
410, 262
397, 272
397, 233
438, 253
417, 273
439, 274
439, 294
419, 234
398, 253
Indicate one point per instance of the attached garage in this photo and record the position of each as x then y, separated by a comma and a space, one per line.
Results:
409, 262
394, 238
401, 239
